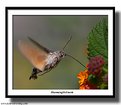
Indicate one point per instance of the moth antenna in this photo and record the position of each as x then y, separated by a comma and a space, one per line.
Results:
76, 60
67, 42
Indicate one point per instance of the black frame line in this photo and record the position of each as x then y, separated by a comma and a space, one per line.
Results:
56, 8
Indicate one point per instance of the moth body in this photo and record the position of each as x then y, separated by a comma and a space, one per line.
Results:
53, 59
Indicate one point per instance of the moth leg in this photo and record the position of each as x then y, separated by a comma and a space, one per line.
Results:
34, 73
43, 72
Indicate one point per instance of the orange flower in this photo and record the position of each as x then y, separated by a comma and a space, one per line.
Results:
83, 80
87, 85
83, 76
84, 86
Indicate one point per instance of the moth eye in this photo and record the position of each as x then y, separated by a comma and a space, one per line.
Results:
61, 55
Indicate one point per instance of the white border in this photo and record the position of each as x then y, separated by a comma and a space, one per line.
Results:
60, 92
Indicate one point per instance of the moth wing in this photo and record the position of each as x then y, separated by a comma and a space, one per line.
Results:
39, 46
35, 55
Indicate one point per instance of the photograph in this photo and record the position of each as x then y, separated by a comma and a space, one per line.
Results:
59, 52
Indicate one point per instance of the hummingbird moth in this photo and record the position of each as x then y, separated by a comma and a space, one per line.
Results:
43, 59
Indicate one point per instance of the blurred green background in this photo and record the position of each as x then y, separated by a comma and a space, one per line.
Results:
52, 32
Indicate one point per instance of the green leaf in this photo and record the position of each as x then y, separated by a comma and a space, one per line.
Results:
98, 40
105, 70
103, 86
92, 79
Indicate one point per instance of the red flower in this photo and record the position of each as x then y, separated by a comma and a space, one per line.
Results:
95, 65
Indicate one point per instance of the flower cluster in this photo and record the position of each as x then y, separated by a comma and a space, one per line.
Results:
95, 65
83, 80
93, 77
83, 76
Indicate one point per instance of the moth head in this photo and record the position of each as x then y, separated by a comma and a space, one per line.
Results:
62, 54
